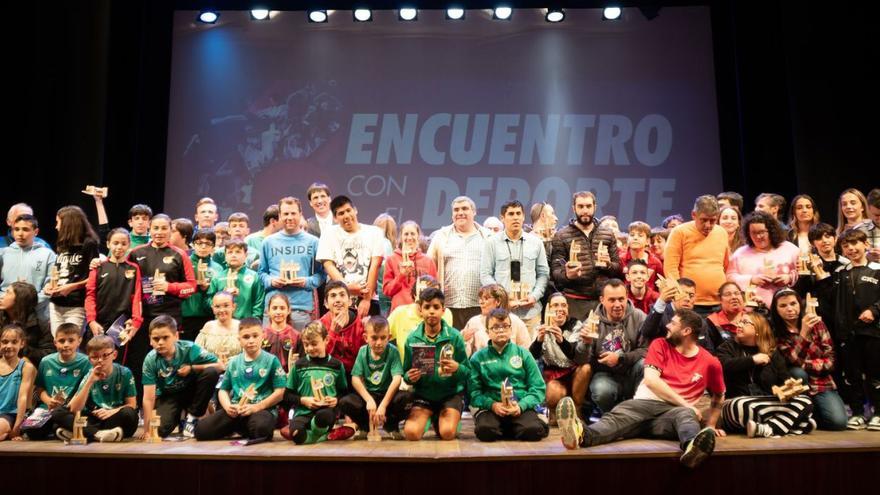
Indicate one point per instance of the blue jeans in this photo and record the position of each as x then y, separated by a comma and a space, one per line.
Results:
609, 389
828, 409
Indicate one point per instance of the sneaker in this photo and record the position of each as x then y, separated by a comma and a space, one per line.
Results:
63, 435
189, 426
112, 435
813, 426
759, 430
360, 435
699, 448
341, 433
287, 434
569, 424
396, 435
874, 424
856, 423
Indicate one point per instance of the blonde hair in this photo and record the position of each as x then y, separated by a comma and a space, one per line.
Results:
314, 330
764, 337
841, 220
389, 227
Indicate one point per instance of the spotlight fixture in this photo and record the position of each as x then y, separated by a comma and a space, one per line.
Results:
208, 16
259, 14
407, 14
554, 15
363, 15
502, 13
317, 16
454, 13
611, 13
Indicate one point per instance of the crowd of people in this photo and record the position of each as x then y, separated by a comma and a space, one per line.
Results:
328, 328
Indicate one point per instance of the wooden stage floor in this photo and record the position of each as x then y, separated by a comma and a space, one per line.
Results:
465, 448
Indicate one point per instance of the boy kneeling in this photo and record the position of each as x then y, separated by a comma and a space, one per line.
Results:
252, 385
506, 386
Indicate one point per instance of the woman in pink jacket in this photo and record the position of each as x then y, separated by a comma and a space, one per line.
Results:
406, 265
767, 261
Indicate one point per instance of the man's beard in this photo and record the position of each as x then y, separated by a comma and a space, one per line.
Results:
674, 340
588, 221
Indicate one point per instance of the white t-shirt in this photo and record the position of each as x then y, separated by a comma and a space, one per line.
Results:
351, 252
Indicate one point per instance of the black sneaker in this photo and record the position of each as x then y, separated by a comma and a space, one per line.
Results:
699, 448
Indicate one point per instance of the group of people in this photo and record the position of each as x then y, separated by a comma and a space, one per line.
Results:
328, 328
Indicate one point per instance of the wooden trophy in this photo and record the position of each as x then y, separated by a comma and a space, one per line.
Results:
519, 291
592, 324
373, 435
125, 333
601, 254
548, 317
53, 277
662, 282
152, 435
318, 390
812, 303
158, 277
201, 273
446, 352
231, 278
289, 271
792, 388
803, 265
248, 395
93, 190
574, 250
751, 296
79, 422
407, 261
223, 357
769, 267
507, 397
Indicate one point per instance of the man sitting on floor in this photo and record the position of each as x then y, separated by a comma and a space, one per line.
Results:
677, 373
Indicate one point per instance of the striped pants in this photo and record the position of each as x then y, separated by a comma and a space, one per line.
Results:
782, 417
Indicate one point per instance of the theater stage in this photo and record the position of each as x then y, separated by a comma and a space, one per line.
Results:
829, 462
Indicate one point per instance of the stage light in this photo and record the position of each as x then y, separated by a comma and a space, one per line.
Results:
318, 16
554, 15
407, 14
454, 13
208, 16
502, 13
611, 13
259, 14
363, 15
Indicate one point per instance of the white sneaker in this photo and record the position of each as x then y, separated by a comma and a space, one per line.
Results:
874, 424
759, 430
856, 423
112, 435
63, 435
189, 426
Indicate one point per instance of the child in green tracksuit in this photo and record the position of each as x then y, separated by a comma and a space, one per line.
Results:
314, 384
437, 391
505, 364
249, 292
196, 309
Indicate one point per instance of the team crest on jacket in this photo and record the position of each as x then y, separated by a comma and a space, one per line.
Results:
75, 373
376, 377
328, 379
263, 372
248, 279
129, 274
168, 260
516, 362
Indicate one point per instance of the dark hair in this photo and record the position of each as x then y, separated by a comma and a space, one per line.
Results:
338, 202
377, 322
774, 228
583, 194
732, 197
775, 199
161, 216
874, 198
315, 187
334, 284
25, 303
428, 281
163, 321
690, 319
19, 332
792, 217
140, 209
499, 314
117, 230
271, 213
430, 294
659, 231
249, 322
184, 227
819, 231
207, 234
779, 327
99, 342
514, 203
636, 261
852, 235
670, 218
687, 282
239, 216
236, 243
75, 229
35, 224
726, 284
611, 282
69, 329
283, 297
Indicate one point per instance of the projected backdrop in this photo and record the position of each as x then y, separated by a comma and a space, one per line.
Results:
403, 117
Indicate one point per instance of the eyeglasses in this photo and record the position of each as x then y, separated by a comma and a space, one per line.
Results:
101, 357
760, 233
498, 328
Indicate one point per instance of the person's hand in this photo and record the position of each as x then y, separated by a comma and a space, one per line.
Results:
467, 333
808, 322
668, 292
184, 370
232, 410
278, 283
363, 308
867, 316
160, 286
761, 280
719, 432
609, 359
355, 289
220, 365
141, 435
298, 282
514, 410
248, 409
586, 336
15, 434
96, 328
95, 263
782, 279
542, 331
54, 402
339, 321
204, 284
310, 402
330, 401
379, 417
499, 409
371, 406
49, 291
761, 359
65, 290
698, 413
414, 375
98, 373
449, 366
528, 303
103, 414
603, 258
572, 270
556, 333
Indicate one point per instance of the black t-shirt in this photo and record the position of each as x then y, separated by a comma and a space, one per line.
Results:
73, 267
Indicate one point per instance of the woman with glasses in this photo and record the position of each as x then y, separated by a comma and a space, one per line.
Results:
724, 323
804, 341
767, 261
752, 366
